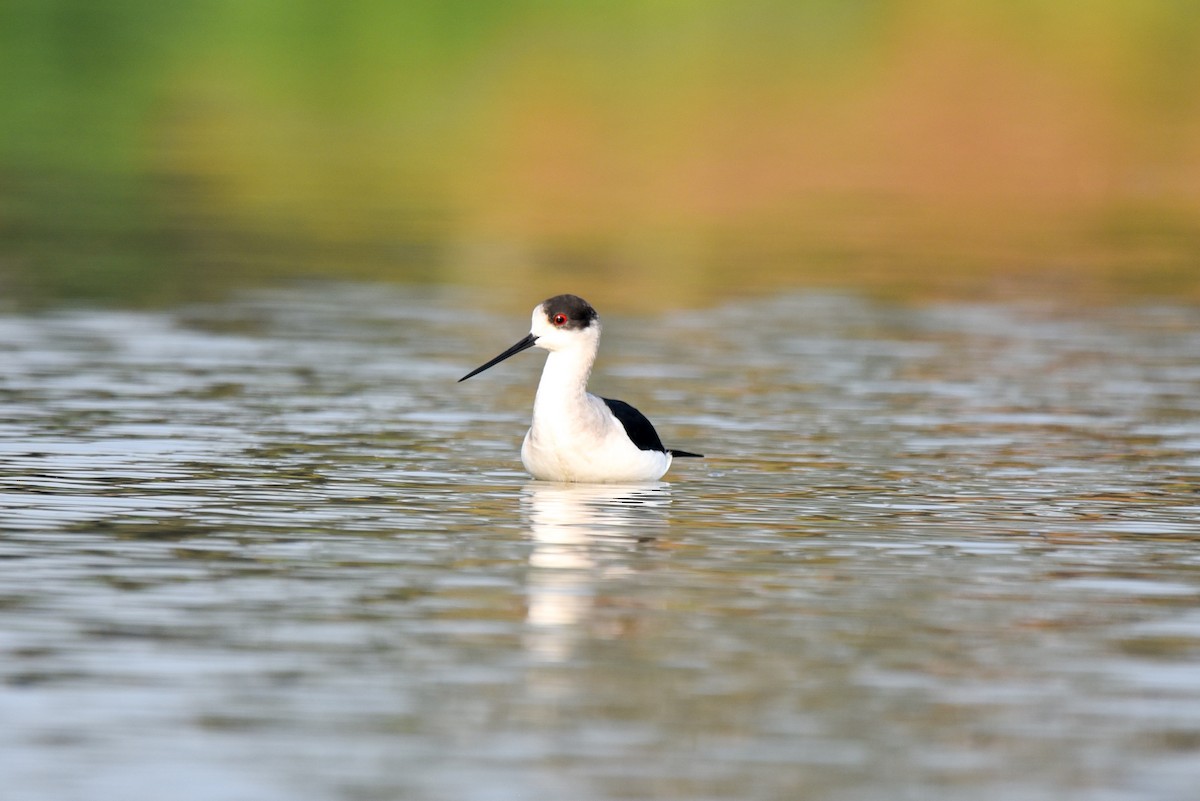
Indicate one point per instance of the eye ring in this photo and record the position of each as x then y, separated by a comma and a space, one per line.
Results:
559, 319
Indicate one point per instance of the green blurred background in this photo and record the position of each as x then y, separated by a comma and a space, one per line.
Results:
152, 152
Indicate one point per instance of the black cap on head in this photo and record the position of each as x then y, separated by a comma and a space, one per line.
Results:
578, 311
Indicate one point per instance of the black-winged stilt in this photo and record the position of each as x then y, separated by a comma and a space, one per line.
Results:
576, 436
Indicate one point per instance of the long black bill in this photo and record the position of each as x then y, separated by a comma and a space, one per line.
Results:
524, 344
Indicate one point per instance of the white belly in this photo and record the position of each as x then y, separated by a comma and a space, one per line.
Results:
594, 460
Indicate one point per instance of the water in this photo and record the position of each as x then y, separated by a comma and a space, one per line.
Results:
268, 549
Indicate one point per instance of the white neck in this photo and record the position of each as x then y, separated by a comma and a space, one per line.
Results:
564, 378
562, 407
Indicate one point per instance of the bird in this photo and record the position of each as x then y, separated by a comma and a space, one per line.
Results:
576, 436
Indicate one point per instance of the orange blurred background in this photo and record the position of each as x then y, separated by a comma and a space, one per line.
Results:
620, 149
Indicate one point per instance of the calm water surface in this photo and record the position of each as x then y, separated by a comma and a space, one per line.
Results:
269, 549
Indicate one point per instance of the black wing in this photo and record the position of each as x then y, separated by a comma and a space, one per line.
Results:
639, 429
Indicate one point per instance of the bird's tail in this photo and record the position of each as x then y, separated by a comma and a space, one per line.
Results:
685, 453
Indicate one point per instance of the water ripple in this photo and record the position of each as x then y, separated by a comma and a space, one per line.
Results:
268, 548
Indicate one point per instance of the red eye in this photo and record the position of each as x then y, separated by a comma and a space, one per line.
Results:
560, 319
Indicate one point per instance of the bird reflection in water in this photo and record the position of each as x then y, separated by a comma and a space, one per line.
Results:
583, 535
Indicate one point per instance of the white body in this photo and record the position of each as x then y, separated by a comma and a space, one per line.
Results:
574, 436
